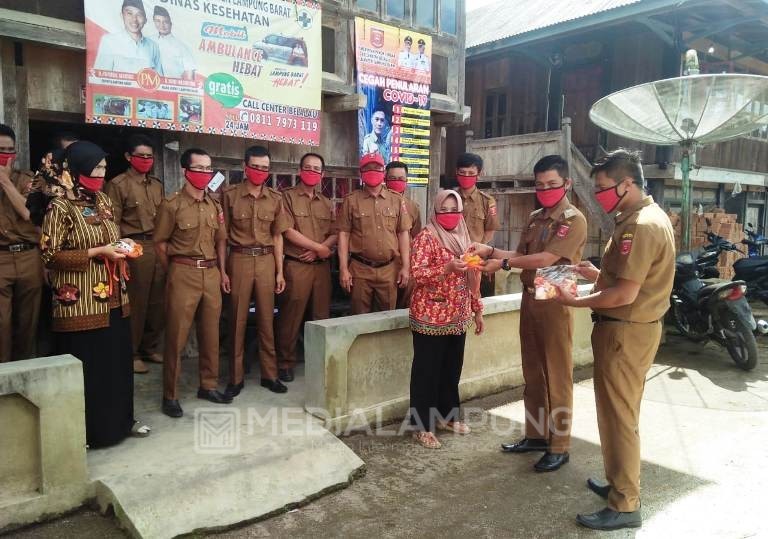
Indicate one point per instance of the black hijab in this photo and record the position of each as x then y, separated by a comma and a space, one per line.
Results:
82, 158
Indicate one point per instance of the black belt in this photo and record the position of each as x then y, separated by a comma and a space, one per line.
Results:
18, 247
140, 237
597, 318
371, 263
252, 251
315, 261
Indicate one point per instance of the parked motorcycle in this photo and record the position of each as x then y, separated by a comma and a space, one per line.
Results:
717, 310
754, 241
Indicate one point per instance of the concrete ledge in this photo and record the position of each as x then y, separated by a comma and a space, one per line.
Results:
42, 443
358, 367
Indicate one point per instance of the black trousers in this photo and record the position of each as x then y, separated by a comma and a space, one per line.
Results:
435, 374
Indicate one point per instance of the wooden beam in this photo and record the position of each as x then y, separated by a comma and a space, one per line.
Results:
41, 29
704, 44
344, 103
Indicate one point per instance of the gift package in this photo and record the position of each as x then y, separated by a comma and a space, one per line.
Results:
549, 280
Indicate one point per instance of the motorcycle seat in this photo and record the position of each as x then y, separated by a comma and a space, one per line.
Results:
751, 264
708, 289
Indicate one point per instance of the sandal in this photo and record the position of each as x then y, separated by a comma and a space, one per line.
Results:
427, 439
140, 430
458, 427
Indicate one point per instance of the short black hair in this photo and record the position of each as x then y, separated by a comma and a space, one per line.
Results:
134, 141
6, 131
397, 164
186, 157
619, 164
552, 162
256, 151
469, 160
65, 136
161, 12
311, 154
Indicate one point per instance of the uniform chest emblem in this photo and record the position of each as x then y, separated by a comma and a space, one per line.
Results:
492, 211
625, 246
562, 231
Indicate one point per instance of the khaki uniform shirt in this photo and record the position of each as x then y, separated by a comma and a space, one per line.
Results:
313, 217
415, 213
642, 250
190, 226
135, 199
562, 233
251, 221
373, 223
14, 229
479, 214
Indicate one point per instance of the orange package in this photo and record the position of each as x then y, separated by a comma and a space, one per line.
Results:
131, 251
472, 261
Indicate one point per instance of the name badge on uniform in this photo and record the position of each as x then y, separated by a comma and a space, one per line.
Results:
562, 231
625, 247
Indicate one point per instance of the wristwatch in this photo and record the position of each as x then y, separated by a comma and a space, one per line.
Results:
505, 264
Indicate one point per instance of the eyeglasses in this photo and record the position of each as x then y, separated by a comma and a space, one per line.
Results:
261, 168
201, 168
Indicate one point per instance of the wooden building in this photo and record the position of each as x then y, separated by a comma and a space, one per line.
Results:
530, 65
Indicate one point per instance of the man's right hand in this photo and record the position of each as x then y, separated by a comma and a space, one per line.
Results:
345, 279
588, 270
481, 249
323, 251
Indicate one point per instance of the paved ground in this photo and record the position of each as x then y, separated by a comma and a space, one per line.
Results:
705, 442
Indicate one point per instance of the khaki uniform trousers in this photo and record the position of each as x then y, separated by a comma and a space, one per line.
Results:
145, 291
252, 277
21, 284
624, 352
546, 338
191, 295
373, 284
306, 285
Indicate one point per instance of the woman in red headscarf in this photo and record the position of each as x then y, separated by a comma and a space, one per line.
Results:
445, 301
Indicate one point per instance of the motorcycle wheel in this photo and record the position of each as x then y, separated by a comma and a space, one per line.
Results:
741, 345
683, 325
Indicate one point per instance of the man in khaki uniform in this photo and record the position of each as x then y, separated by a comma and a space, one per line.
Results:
21, 269
630, 298
135, 198
309, 241
397, 181
190, 241
374, 230
555, 235
480, 212
255, 222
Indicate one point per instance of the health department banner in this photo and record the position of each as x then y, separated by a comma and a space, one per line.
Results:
243, 68
395, 73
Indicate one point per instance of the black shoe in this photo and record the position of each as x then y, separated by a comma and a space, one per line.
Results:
213, 395
172, 408
608, 519
275, 386
286, 375
526, 445
551, 462
233, 390
601, 489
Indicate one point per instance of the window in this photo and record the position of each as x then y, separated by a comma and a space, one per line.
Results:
329, 49
495, 119
396, 8
448, 16
425, 13
371, 5
439, 74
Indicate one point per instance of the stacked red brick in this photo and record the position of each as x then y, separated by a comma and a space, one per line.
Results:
723, 225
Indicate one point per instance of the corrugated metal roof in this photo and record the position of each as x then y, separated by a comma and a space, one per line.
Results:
507, 18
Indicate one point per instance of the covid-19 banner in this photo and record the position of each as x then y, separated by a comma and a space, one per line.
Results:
244, 68
394, 72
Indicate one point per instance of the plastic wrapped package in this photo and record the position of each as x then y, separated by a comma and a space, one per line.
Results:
549, 280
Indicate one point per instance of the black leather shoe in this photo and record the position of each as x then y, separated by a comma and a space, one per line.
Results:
608, 519
526, 445
551, 462
275, 386
286, 375
213, 395
233, 390
172, 408
601, 489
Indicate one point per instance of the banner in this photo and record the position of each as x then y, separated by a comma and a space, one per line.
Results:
242, 68
394, 72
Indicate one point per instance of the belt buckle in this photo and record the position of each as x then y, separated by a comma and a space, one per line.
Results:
199, 264
16, 247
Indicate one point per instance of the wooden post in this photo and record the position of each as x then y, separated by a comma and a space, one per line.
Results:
14, 100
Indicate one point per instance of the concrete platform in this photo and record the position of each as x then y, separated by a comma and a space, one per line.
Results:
219, 465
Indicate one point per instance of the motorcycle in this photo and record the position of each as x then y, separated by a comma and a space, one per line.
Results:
754, 269
716, 310
754, 241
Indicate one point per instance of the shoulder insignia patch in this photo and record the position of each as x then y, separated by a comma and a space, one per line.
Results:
625, 245
562, 231
492, 210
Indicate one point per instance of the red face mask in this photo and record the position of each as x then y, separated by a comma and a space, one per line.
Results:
398, 186
142, 165
372, 178
609, 198
5, 157
549, 198
310, 178
466, 182
256, 176
198, 179
448, 221
91, 183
